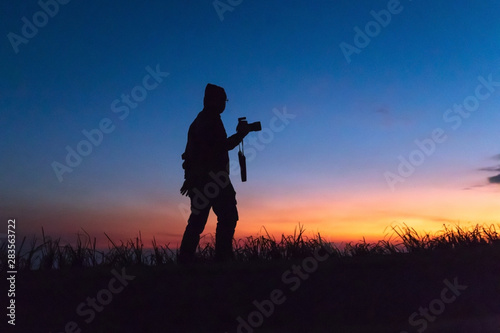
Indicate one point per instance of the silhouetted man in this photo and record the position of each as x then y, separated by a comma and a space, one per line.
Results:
206, 173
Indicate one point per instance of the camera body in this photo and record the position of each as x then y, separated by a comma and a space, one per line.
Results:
252, 127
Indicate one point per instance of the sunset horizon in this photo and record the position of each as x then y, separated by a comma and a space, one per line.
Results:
250, 166
371, 116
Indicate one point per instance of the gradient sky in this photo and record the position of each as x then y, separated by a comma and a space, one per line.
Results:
352, 120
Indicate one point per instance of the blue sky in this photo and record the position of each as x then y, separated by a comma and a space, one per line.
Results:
351, 119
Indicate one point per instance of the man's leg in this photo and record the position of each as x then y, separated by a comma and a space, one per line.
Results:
191, 238
227, 215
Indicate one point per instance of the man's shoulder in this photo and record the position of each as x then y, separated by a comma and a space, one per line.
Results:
197, 121
204, 120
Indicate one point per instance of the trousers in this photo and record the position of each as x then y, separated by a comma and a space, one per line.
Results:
223, 203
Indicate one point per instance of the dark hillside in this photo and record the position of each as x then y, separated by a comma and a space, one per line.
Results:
373, 293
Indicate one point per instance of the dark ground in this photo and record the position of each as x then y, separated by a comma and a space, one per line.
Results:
361, 294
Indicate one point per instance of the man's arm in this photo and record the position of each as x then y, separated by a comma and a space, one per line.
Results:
241, 131
235, 140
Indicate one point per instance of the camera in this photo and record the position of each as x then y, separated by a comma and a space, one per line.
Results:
252, 127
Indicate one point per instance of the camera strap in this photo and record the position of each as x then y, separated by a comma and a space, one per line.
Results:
241, 148
242, 161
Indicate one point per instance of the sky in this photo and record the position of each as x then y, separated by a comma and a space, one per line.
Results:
374, 114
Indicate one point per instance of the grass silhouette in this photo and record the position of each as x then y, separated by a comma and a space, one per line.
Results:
49, 253
360, 287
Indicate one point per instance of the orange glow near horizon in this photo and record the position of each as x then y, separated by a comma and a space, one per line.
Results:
348, 220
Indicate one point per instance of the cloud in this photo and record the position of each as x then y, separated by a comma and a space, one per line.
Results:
496, 169
473, 187
383, 111
491, 169
494, 179
389, 118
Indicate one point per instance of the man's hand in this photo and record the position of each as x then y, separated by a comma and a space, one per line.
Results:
185, 188
243, 128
